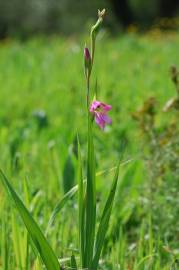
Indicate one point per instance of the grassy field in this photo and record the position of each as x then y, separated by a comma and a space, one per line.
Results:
42, 99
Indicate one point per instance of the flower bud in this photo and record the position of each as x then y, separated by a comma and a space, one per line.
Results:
94, 30
86, 54
87, 59
101, 13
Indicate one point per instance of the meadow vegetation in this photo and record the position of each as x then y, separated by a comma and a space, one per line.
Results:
43, 106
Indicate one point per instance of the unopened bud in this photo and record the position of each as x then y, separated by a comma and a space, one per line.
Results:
101, 13
95, 28
86, 54
87, 58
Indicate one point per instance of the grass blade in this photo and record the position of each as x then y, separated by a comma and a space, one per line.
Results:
60, 205
73, 262
104, 222
16, 242
4, 245
71, 193
26, 239
48, 257
90, 199
68, 173
81, 207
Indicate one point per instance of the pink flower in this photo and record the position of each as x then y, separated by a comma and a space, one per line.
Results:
99, 110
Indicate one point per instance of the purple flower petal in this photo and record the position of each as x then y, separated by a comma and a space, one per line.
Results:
106, 119
95, 104
106, 107
99, 121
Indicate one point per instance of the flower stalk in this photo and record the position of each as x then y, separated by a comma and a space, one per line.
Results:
90, 241
89, 57
89, 217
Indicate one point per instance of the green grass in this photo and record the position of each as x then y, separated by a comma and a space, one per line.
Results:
42, 107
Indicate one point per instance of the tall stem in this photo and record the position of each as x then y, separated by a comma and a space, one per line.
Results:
87, 92
92, 49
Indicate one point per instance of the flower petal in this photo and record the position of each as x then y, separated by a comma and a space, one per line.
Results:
99, 120
106, 119
95, 104
105, 107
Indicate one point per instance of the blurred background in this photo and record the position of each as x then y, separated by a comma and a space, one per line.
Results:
23, 18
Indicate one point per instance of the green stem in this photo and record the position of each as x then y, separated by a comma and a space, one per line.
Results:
92, 49
87, 92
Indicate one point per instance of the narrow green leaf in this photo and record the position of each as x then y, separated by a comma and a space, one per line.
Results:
144, 259
37, 264
73, 262
26, 243
103, 226
4, 245
96, 90
68, 173
81, 207
60, 205
16, 242
48, 257
90, 198
70, 194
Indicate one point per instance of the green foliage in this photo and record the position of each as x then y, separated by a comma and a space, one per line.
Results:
61, 204
41, 244
68, 173
81, 205
104, 222
162, 158
34, 77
